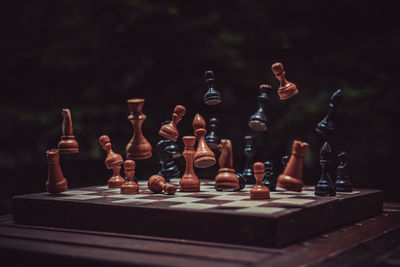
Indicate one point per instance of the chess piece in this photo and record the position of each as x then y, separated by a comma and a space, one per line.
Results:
284, 161
116, 180
258, 121
130, 186
249, 152
325, 185
113, 159
242, 181
212, 139
259, 190
292, 177
67, 144
189, 181
326, 126
268, 176
56, 182
158, 184
343, 183
168, 151
286, 89
138, 147
212, 96
169, 130
226, 179
203, 157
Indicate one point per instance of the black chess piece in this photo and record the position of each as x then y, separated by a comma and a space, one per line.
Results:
268, 176
258, 121
242, 181
284, 161
212, 96
325, 185
212, 139
326, 126
343, 183
249, 152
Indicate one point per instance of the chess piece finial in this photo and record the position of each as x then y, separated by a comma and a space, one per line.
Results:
158, 184
56, 182
130, 186
212, 139
170, 130
286, 89
138, 147
167, 151
249, 152
203, 157
226, 179
326, 127
343, 183
259, 190
190, 181
325, 185
292, 177
258, 121
113, 159
68, 143
212, 96
268, 176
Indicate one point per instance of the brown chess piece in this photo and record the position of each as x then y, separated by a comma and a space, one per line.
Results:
130, 187
113, 161
158, 184
292, 177
169, 130
56, 182
259, 190
203, 157
138, 147
286, 89
67, 144
226, 179
189, 181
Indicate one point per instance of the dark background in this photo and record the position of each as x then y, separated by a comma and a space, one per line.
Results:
91, 56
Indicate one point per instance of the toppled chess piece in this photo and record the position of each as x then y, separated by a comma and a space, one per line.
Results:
168, 151
190, 181
326, 127
130, 186
226, 179
212, 139
203, 157
325, 185
258, 121
169, 130
343, 183
138, 147
158, 184
259, 190
292, 177
112, 161
286, 89
67, 144
249, 152
212, 96
56, 182
268, 176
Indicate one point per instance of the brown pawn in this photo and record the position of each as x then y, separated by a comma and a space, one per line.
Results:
67, 144
226, 179
158, 184
259, 190
56, 182
286, 89
130, 187
189, 181
203, 157
292, 177
169, 130
138, 147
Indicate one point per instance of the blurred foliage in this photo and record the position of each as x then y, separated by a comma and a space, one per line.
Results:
90, 56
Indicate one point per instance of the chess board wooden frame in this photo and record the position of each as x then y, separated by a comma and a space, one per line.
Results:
228, 217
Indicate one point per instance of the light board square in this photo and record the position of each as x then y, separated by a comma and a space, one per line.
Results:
261, 210
193, 206
244, 204
81, 197
293, 201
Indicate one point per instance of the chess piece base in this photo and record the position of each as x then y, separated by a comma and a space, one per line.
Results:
68, 145
287, 92
212, 101
259, 192
188, 184
115, 182
168, 132
343, 186
58, 187
204, 162
129, 188
226, 180
258, 125
290, 183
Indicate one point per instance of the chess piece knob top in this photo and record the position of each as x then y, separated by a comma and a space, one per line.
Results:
277, 68
198, 122
180, 110
104, 139
258, 167
129, 165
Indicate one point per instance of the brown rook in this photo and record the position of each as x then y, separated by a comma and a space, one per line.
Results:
56, 182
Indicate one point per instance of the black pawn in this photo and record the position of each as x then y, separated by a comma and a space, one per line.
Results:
325, 185
343, 183
258, 121
212, 96
249, 152
242, 181
212, 139
326, 126
284, 161
268, 176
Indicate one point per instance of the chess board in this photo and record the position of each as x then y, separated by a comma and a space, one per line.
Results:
209, 215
